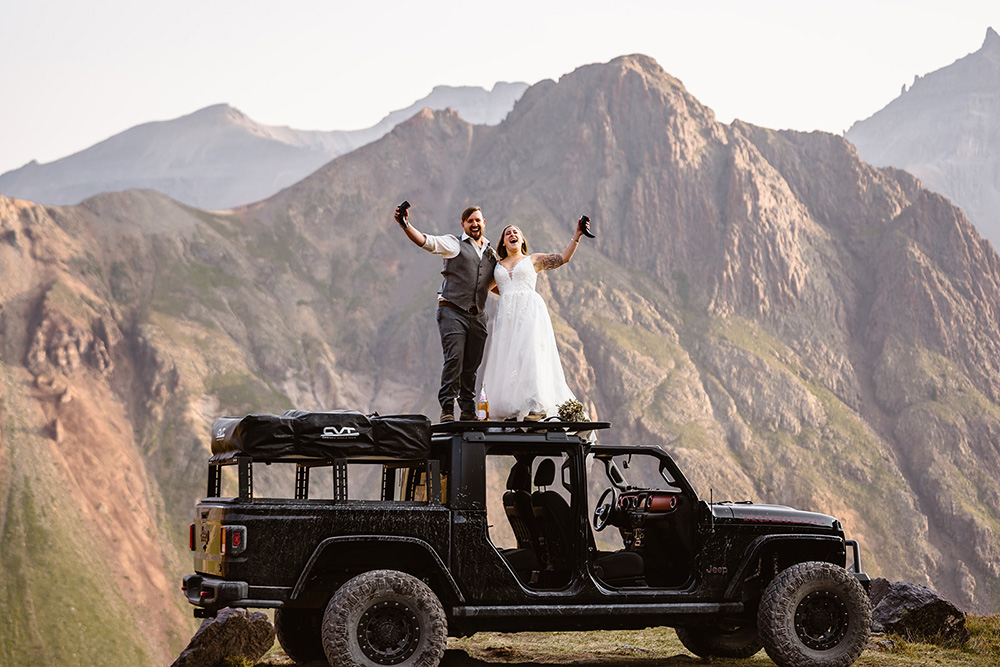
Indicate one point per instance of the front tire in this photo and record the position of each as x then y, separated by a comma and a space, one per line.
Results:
300, 633
385, 617
722, 641
814, 614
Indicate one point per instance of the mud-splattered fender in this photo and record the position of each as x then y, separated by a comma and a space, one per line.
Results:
322, 555
777, 543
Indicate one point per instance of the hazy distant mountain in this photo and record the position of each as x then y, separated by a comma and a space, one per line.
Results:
945, 130
218, 157
793, 324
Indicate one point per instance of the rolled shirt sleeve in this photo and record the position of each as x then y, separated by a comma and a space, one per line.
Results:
445, 245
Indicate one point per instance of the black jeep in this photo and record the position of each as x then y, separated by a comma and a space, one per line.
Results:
415, 532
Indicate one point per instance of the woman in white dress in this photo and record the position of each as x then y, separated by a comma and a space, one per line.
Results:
523, 375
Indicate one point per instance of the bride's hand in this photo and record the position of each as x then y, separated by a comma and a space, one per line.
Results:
583, 226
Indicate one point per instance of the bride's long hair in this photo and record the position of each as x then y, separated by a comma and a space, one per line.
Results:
502, 250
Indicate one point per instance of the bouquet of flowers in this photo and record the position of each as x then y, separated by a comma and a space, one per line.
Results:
572, 411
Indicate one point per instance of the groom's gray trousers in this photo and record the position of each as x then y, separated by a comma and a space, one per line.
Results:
463, 338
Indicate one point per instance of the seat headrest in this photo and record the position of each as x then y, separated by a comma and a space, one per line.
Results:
519, 478
545, 473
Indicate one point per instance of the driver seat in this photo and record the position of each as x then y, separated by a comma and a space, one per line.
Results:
555, 532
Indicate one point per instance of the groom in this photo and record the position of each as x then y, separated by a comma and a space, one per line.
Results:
468, 275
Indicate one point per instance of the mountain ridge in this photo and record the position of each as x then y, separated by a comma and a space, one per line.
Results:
793, 324
218, 157
943, 129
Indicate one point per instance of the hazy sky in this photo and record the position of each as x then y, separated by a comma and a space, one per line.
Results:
74, 73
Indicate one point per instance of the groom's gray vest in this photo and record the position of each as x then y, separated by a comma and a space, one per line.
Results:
467, 277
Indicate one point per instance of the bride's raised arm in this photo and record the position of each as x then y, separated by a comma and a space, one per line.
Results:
547, 261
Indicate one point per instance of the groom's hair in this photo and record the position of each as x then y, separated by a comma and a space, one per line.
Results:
469, 211
502, 250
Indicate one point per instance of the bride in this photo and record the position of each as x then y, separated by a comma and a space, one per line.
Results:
523, 375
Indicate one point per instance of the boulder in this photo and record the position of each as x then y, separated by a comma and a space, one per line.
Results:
231, 634
916, 613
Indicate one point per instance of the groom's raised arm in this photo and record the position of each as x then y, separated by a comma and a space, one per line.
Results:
445, 245
401, 216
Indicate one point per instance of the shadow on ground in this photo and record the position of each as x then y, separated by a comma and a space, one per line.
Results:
503, 656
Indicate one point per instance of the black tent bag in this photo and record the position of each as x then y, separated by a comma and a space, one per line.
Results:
334, 434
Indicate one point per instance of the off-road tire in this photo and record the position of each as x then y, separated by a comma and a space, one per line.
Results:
300, 633
385, 617
814, 614
705, 641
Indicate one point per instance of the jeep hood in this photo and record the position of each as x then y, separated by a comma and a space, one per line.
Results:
772, 514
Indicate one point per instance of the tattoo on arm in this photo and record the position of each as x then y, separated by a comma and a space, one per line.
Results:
550, 261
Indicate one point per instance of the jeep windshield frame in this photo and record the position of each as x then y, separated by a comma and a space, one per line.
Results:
667, 476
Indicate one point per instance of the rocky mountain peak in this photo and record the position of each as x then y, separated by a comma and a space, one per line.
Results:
776, 271
944, 131
992, 42
218, 157
221, 110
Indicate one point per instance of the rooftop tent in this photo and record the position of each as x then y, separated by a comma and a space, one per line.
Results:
333, 434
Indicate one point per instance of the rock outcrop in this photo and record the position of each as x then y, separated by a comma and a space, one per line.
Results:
916, 613
233, 633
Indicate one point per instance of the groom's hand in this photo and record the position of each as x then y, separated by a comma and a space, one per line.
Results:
401, 214
583, 225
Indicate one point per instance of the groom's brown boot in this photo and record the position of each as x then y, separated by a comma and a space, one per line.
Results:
447, 415
468, 416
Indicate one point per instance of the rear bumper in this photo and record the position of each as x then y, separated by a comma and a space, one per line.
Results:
210, 595
213, 594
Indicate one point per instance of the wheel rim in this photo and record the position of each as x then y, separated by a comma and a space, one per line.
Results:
388, 632
821, 620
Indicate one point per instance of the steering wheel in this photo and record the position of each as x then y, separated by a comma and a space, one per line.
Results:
604, 509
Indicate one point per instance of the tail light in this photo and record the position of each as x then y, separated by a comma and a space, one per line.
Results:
191, 537
232, 540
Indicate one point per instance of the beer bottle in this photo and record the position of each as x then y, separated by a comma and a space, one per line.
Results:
483, 407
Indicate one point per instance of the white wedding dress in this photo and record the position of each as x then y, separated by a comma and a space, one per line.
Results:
523, 373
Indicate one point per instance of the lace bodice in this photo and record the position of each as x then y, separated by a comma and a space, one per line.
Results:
521, 278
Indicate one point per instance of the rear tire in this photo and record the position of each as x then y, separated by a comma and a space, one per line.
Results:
814, 614
385, 617
721, 641
300, 633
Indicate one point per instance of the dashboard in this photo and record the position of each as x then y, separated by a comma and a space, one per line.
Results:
649, 502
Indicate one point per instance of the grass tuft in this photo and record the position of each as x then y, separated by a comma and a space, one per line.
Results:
238, 661
984, 634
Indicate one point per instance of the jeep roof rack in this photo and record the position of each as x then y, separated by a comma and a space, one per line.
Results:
513, 426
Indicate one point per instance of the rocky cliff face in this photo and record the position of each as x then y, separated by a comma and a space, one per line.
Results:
945, 130
218, 157
87, 558
795, 325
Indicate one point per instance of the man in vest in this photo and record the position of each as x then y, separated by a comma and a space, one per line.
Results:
468, 277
